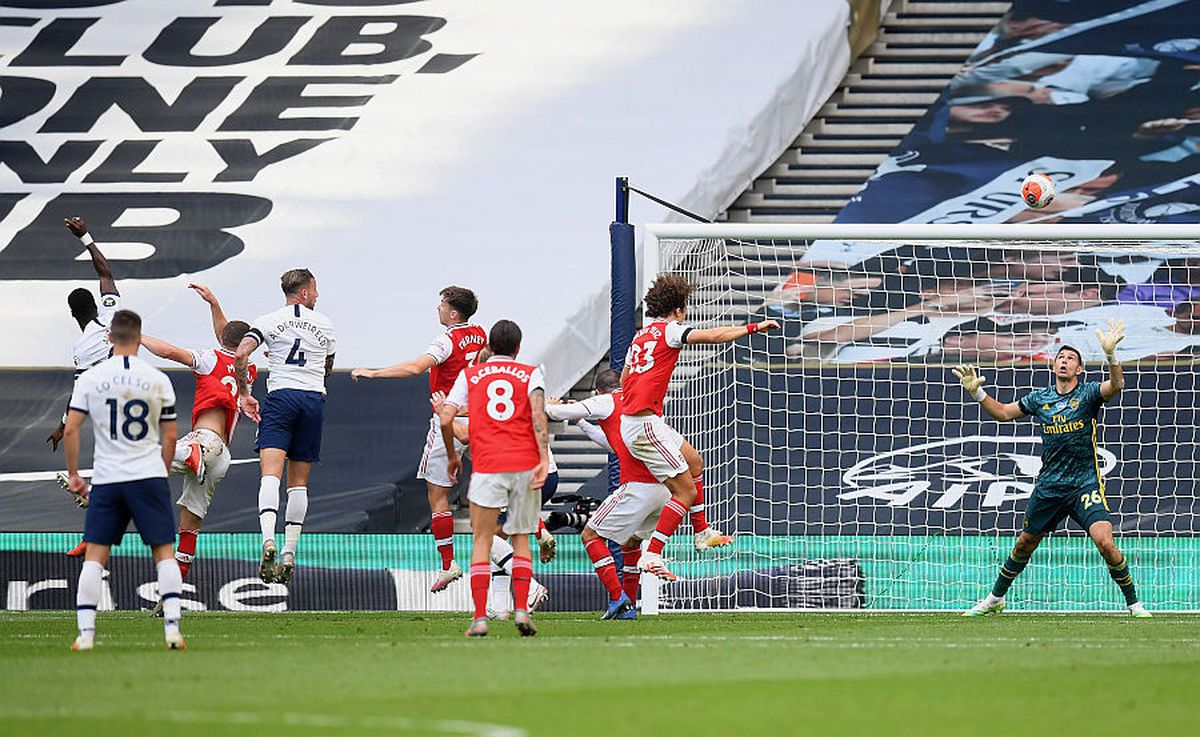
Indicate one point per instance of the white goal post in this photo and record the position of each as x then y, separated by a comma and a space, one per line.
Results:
850, 464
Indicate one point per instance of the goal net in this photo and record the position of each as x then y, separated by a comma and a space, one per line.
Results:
848, 460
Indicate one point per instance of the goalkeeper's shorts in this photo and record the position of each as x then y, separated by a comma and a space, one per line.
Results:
1046, 509
655, 443
630, 511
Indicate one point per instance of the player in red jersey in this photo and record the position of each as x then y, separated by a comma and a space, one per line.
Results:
631, 512
509, 440
202, 456
448, 354
648, 367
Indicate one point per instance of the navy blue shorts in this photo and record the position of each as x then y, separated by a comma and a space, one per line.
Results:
292, 420
548, 490
111, 506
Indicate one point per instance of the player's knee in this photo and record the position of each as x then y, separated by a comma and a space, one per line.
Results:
588, 534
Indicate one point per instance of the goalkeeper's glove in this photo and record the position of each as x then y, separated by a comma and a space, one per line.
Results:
1110, 338
971, 381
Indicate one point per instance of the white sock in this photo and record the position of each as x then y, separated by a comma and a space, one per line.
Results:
170, 586
88, 596
293, 518
501, 555
268, 506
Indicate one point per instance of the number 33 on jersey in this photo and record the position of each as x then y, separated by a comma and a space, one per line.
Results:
496, 395
651, 361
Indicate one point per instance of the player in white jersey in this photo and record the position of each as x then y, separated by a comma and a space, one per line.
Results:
132, 406
300, 343
92, 346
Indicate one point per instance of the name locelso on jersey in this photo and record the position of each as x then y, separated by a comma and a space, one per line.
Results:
489, 370
302, 324
1001, 469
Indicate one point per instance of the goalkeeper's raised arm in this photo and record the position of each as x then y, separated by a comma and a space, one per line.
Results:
1109, 340
972, 381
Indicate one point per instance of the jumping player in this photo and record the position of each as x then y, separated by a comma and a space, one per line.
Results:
446, 357
1069, 484
132, 406
202, 456
509, 437
630, 513
301, 345
648, 367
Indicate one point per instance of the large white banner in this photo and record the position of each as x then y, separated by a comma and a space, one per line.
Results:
392, 147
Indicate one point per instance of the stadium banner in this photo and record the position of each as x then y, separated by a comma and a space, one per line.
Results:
393, 573
1099, 95
392, 147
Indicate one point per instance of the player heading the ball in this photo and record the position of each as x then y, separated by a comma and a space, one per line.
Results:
648, 367
1069, 483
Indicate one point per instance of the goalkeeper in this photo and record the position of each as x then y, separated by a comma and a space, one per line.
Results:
1069, 484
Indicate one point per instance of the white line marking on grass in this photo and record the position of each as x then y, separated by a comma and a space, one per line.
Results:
291, 719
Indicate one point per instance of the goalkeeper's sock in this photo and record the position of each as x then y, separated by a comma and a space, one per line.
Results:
606, 569
442, 527
630, 575
87, 596
481, 579
1120, 573
672, 514
1008, 573
185, 552
696, 513
522, 574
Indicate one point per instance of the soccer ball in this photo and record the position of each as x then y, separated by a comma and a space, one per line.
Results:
1037, 190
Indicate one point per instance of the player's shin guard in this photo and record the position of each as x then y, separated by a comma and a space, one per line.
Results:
185, 551
696, 513
602, 560
87, 598
1008, 573
672, 514
268, 506
170, 587
442, 527
481, 578
522, 573
293, 517
1121, 575
631, 576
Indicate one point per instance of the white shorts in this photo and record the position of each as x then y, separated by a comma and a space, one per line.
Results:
630, 511
653, 442
196, 496
500, 490
433, 466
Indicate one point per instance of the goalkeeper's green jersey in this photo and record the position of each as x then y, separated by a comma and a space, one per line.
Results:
1069, 459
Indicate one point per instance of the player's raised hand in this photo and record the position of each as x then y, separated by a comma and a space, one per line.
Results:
77, 226
1111, 337
969, 377
204, 292
766, 325
56, 437
363, 373
435, 399
249, 407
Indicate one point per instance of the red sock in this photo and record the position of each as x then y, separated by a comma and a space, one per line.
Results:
481, 578
699, 519
522, 571
442, 527
185, 552
672, 514
630, 575
606, 569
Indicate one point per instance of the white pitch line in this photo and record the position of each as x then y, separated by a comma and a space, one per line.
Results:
293, 719
83, 472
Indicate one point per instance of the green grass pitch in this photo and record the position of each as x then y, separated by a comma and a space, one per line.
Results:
827, 675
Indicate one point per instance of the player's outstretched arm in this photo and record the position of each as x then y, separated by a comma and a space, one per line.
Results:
714, 336
75, 483
78, 227
163, 349
595, 434
403, 370
446, 417
219, 320
241, 365
1109, 340
973, 383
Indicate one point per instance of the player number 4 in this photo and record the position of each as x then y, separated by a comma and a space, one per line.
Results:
296, 356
